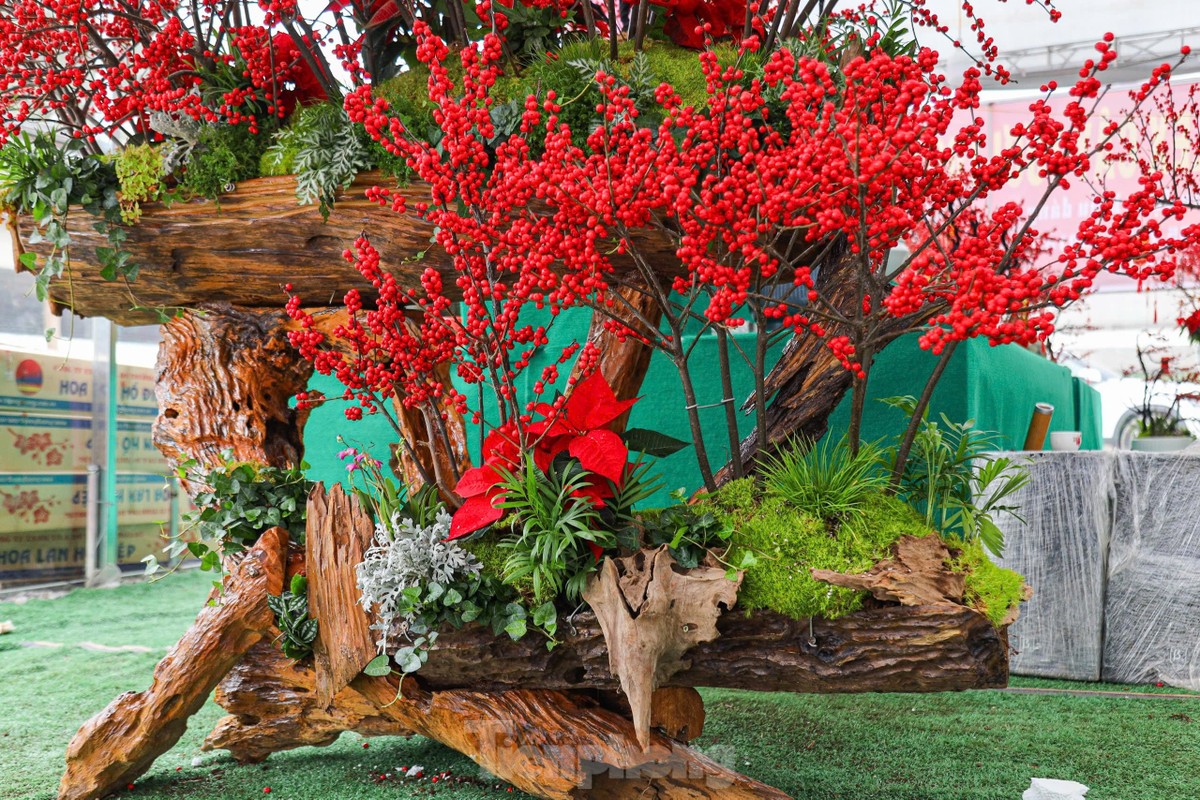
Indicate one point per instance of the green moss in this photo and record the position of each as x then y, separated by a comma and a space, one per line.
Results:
224, 155
493, 556
680, 67
991, 589
790, 542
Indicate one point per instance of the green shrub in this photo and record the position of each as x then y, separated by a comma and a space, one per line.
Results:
140, 172
223, 156
825, 479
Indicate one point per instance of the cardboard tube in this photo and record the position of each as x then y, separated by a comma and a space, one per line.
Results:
1035, 439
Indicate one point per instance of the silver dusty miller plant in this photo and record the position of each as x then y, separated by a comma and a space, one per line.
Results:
406, 557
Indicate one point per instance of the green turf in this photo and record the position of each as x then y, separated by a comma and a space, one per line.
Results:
970, 746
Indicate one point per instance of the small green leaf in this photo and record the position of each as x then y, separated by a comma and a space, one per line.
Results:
378, 667
516, 628
653, 443
545, 614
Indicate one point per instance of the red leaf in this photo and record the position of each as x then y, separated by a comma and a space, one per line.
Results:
501, 445
596, 549
592, 403
597, 492
476, 513
385, 12
476, 481
601, 452
547, 449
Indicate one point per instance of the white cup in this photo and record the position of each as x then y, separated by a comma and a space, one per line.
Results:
1066, 441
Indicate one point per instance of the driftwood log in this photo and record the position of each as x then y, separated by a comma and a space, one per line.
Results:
120, 743
223, 380
550, 744
245, 248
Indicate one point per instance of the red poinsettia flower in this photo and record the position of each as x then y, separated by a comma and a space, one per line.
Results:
480, 487
577, 428
725, 18
296, 71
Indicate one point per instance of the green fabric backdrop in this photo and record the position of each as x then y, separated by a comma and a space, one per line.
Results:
995, 386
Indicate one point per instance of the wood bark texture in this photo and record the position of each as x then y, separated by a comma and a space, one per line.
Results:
223, 381
338, 532
550, 744
560, 746
120, 743
273, 706
885, 649
244, 248
915, 575
651, 616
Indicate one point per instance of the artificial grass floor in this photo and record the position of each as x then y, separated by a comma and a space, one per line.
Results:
966, 746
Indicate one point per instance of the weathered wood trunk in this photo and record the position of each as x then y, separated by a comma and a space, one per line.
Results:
243, 249
120, 743
338, 532
224, 379
550, 744
886, 649
273, 706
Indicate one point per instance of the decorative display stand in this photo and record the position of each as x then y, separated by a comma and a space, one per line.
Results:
556, 724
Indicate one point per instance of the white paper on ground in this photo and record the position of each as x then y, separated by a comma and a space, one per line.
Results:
1052, 789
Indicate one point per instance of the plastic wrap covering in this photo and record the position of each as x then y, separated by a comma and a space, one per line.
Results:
1061, 552
1153, 610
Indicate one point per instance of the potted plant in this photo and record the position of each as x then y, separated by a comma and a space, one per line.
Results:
1169, 400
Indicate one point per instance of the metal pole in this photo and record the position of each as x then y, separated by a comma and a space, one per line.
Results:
92, 544
102, 503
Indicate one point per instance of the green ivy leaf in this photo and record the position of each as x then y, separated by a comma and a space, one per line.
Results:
515, 628
378, 667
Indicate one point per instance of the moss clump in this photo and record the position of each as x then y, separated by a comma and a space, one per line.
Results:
493, 556
994, 590
790, 542
224, 155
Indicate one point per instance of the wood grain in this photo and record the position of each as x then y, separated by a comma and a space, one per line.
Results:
562, 746
885, 649
272, 704
337, 534
244, 248
119, 744
652, 616
223, 380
